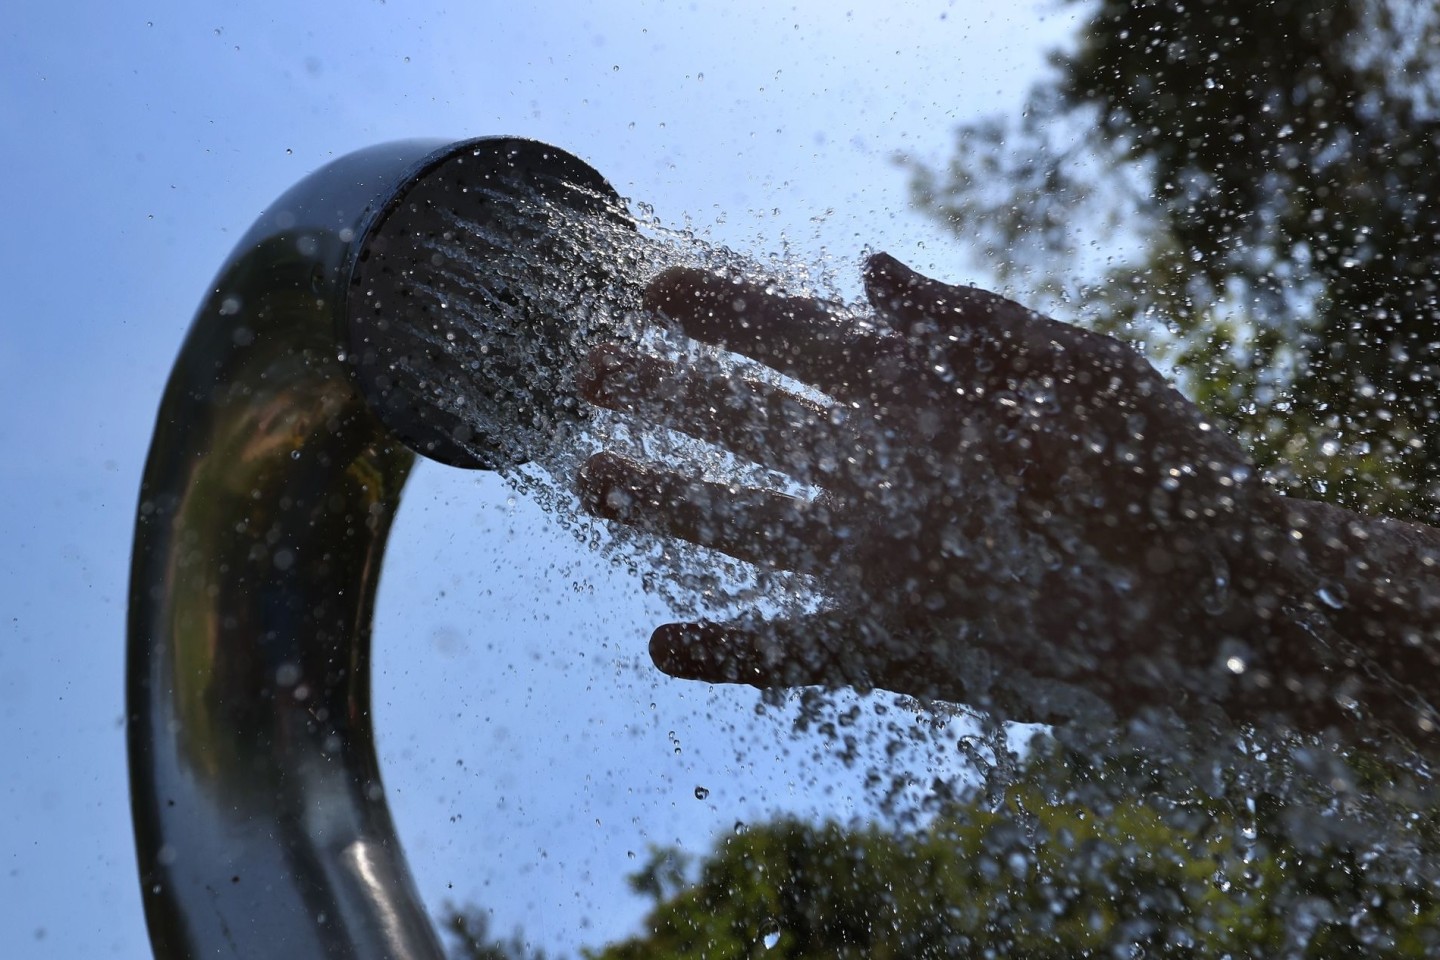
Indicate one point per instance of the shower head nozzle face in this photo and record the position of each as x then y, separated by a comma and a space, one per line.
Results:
476, 293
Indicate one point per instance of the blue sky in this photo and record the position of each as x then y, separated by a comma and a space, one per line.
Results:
527, 744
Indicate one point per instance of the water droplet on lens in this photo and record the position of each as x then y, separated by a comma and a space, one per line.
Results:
770, 936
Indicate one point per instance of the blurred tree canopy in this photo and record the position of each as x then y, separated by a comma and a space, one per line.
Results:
469, 931
1254, 189
1044, 873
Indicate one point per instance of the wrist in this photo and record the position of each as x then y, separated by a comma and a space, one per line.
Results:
1348, 608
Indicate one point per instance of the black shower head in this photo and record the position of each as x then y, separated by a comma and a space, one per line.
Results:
323, 356
466, 310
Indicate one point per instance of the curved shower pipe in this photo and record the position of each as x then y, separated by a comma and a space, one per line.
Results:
279, 456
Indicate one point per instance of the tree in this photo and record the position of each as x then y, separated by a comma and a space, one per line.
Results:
1051, 870
469, 929
1252, 187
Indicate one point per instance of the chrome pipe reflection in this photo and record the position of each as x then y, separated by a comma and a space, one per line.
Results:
276, 468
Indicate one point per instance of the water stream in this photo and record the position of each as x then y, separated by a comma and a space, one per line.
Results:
1306, 836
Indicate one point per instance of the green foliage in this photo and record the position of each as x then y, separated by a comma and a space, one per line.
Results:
1038, 876
469, 929
1075, 857
1250, 188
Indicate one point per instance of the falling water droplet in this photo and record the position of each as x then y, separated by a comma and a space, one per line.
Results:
770, 936
701, 793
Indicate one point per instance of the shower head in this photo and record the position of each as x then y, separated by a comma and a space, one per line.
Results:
326, 354
466, 311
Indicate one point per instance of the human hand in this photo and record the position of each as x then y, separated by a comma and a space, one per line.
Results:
1003, 498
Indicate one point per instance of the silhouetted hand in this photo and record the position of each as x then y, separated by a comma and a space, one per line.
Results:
1002, 498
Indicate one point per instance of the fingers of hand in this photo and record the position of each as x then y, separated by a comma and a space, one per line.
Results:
988, 340
761, 653
757, 421
825, 649
797, 336
712, 653
754, 525
910, 301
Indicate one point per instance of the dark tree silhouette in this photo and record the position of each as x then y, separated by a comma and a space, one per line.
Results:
1043, 873
471, 939
1253, 187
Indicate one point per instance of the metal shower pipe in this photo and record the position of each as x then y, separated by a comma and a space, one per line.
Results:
279, 456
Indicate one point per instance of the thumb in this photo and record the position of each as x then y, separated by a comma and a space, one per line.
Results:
913, 303
754, 651
901, 297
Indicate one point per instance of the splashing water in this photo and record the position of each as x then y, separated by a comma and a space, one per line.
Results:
523, 297
1248, 798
